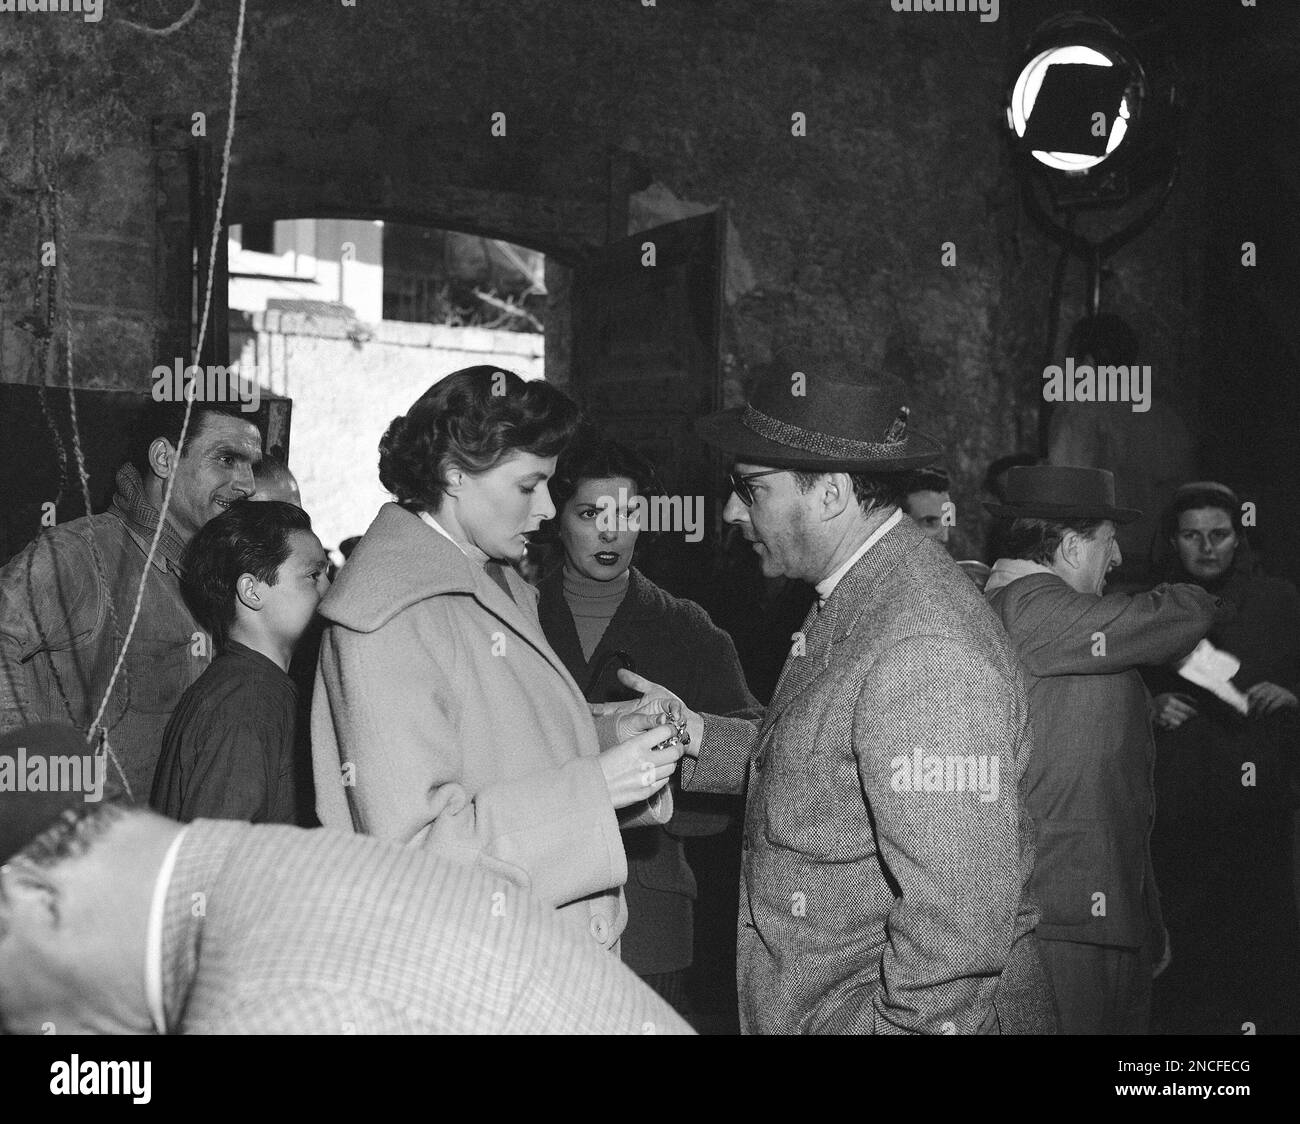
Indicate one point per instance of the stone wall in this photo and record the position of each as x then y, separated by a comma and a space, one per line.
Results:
386, 111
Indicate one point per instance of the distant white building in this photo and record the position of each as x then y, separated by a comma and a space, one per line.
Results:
335, 260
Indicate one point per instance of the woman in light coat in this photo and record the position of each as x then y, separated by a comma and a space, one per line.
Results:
441, 714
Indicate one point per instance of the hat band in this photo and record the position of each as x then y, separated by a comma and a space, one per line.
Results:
810, 441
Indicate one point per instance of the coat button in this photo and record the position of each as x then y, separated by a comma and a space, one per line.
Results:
600, 929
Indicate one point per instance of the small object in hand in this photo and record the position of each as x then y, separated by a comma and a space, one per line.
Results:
680, 736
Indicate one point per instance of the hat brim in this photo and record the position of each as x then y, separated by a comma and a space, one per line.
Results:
1060, 511
725, 432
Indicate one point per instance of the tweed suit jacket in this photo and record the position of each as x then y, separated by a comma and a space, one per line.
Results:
278, 930
867, 906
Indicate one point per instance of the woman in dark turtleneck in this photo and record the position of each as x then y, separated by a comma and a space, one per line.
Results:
599, 614
1222, 840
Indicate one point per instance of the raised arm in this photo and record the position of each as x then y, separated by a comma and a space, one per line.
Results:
49, 600
1070, 633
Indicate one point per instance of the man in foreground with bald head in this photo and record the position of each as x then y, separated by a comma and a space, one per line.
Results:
116, 920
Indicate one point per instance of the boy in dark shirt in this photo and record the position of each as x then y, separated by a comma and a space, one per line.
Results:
253, 577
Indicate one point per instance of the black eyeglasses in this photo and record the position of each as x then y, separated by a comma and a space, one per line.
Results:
740, 484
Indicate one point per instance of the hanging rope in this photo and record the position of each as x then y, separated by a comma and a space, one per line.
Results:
198, 350
44, 295
82, 475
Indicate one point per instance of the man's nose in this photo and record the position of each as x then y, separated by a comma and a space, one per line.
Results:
246, 483
735, 511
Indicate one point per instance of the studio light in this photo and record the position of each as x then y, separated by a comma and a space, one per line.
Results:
1092, 104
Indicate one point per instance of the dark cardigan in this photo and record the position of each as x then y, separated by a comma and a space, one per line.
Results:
674, 643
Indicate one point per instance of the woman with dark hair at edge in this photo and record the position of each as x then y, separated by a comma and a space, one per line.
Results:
442, 715
601, 613
1226, 788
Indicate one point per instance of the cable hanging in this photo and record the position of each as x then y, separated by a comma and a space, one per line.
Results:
189, 396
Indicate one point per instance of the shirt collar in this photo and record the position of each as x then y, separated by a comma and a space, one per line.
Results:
470, 552
1008, 570
141, 519
826, 586
153, 950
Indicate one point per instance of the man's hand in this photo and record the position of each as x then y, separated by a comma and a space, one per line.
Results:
1171, 710
618, 721
1268, 697
634, 770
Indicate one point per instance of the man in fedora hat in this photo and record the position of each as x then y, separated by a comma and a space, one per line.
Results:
116, 920
886, 854
1090, 776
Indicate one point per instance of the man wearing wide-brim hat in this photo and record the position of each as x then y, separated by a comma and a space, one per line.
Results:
1090, 776
886, 852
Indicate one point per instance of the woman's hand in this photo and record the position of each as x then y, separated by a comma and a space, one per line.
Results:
1171, 710
635, 770
1268, 697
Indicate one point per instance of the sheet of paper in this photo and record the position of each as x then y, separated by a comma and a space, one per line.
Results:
1213, 668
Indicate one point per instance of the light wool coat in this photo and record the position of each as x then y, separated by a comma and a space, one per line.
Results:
442, 716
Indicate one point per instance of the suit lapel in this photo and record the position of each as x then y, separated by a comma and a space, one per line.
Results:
806, 660
841, 615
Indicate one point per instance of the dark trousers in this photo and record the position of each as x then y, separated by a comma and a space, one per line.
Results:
1100, 989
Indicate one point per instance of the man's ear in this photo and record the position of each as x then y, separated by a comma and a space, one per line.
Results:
162, 457
837, 494
1070, 542
247, 594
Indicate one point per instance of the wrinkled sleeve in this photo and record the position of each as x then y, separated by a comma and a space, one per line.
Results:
49, 601
1079, 634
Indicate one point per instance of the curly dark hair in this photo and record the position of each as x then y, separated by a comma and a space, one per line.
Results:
592, 457
472, 420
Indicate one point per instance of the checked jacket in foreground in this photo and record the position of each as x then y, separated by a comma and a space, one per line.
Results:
864, 909
328, 932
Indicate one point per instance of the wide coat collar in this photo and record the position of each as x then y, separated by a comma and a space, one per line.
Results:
846, 610
401, 561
